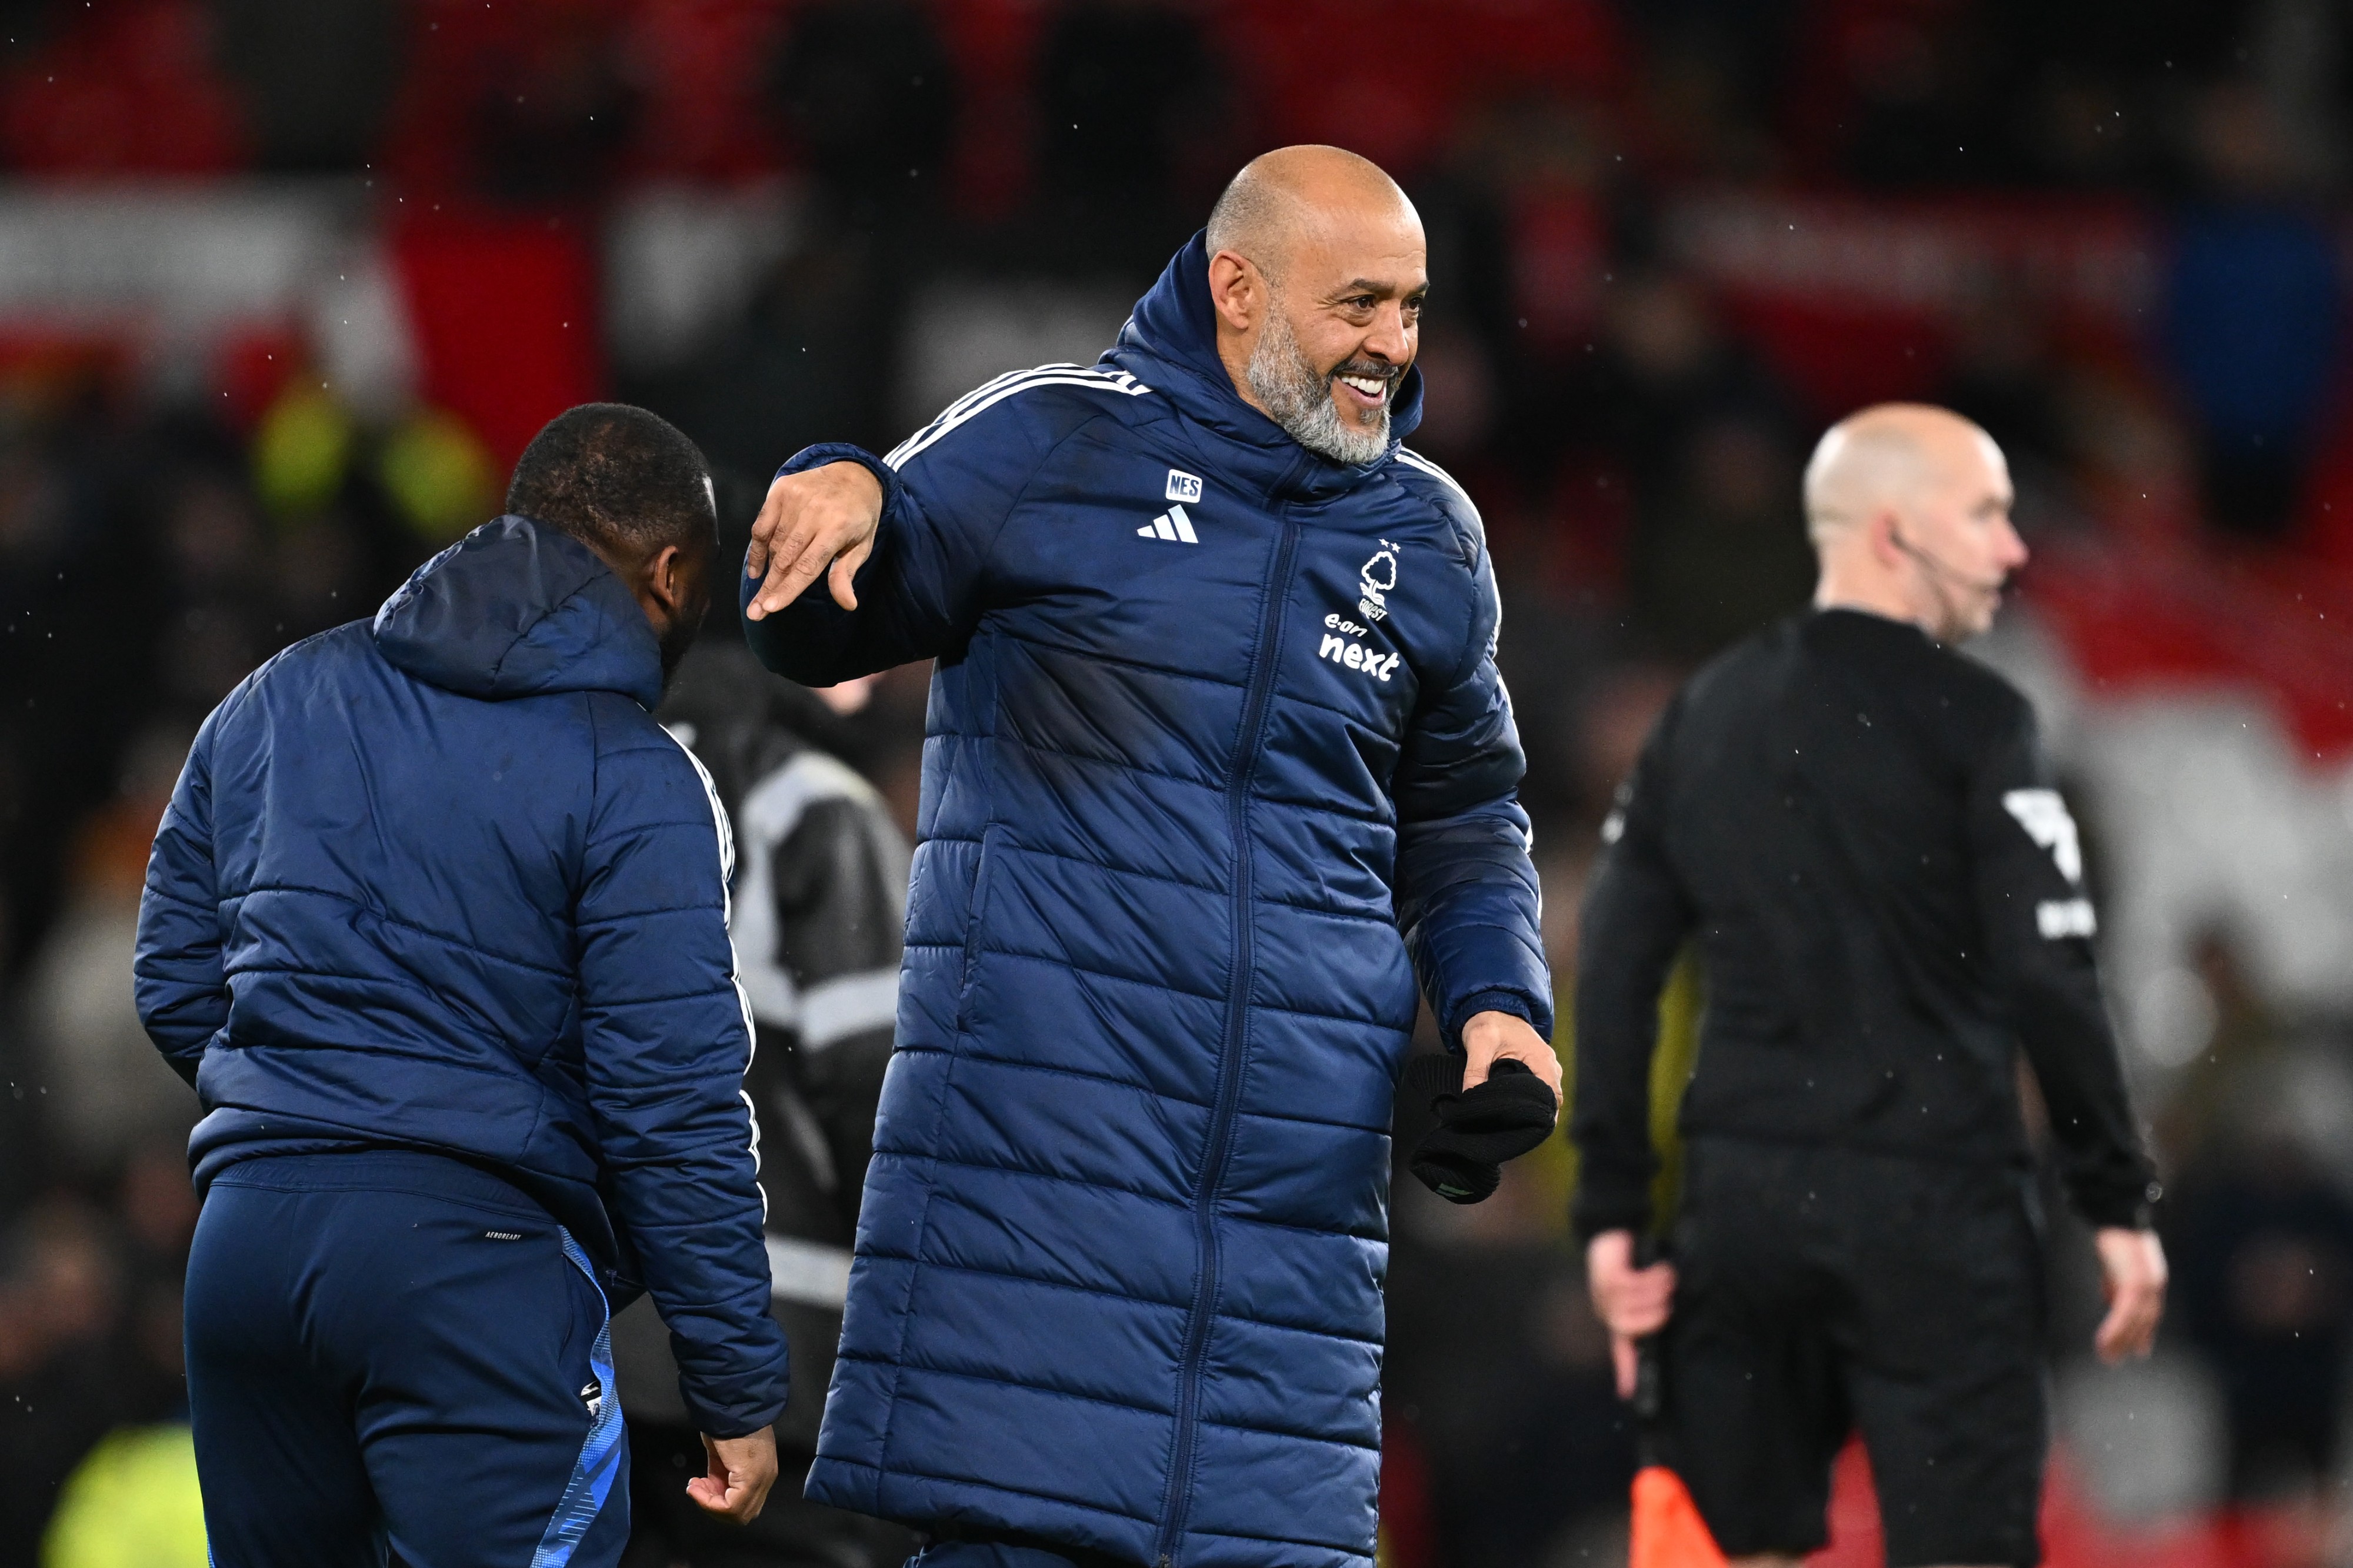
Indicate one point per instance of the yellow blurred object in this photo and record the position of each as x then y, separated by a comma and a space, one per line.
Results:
301, 451
133, 1502
1679, 1006
440, 474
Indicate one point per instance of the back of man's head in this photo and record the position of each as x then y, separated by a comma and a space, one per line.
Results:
624, 482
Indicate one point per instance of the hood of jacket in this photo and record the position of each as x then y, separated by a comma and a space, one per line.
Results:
518, 609
1171, 344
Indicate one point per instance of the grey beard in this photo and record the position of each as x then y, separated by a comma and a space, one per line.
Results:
1300, 400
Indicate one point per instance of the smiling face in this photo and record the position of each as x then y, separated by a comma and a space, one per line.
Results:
1319, 298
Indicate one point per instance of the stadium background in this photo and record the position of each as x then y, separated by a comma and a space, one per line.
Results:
285, 284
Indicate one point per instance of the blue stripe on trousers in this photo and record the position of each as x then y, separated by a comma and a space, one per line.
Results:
600, 1455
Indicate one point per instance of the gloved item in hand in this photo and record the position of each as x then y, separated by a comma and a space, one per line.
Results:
1461, 1158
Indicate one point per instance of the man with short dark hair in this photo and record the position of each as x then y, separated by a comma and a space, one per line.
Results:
436, 924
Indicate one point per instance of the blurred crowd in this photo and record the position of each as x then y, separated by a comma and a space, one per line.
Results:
1670, 240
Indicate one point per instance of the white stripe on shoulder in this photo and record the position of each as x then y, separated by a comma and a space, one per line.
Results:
983, 390
978, 401
727, 833
1413, 460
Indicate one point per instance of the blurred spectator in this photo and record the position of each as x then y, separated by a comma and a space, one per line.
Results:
1135, 128
869, 93
61, 1295
315, 81
1723, 551
553, 109
1519, 1426
104, 1089
2253, 313
2263, 1243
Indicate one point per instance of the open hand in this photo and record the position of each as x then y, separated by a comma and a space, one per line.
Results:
2133, 1275
1631, 1302
819, 521
742, 1472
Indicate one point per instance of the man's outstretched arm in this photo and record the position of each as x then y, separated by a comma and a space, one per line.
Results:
859, 563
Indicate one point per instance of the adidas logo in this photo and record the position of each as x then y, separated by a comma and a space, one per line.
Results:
1172, 524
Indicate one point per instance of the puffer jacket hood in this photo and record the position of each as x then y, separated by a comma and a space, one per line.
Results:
1171, 344
518, 609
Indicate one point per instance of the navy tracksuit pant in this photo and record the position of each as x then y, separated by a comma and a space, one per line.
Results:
394, 1351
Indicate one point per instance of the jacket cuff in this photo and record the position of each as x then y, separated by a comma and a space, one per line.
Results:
1609, 1201
2124, 1208
734, 1421
1494, 1000
825, 452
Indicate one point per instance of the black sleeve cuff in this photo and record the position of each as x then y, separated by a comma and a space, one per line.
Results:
2125, 1209
1609, 1201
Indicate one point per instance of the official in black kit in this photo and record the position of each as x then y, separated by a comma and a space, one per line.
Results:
1858, 827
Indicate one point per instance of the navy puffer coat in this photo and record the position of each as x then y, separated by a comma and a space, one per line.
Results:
1216, 742
438, 881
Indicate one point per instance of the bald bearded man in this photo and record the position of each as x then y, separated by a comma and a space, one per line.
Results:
1858, 827
1218, 763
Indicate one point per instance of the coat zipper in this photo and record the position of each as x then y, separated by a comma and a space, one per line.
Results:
1176, 1506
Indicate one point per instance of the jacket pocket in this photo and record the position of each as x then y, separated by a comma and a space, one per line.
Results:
984, 874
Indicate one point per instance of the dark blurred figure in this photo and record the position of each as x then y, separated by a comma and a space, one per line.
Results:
1721, 547
1665, 366
2253, 313
1134, 130
1718, 69
315, 79
554, 111
867, 91
819, 902
2089, 91
2264, 1266
61, 1312
78, 621
1523, 1439
2000, 374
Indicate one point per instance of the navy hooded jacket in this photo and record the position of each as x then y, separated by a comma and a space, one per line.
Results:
439, 882
1217, 759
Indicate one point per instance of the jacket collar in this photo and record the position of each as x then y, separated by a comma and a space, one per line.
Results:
1170, 343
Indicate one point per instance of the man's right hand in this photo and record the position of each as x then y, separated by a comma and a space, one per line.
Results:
742, 1472
1631, 1302
2133, 1274
819, 522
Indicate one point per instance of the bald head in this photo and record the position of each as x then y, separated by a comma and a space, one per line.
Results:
1302, 192
1885, 458
1908, 506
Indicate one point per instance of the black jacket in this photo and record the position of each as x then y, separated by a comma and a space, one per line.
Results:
1860, 827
